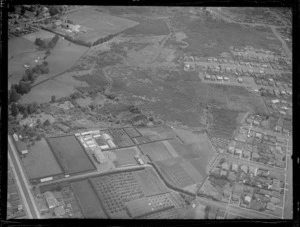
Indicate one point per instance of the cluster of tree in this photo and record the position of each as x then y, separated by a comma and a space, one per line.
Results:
24, 86
54, 10
42, 44
24, 109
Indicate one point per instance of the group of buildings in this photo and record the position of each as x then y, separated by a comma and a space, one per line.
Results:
253, 187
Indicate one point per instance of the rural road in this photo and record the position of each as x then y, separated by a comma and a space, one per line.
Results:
23, 184
86, 175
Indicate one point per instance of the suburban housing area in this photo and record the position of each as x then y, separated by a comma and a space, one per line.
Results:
149, 112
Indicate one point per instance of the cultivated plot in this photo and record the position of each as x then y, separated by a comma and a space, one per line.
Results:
71, 154
88, 199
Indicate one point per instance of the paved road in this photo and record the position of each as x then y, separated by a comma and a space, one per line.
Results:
25, 188
27, 209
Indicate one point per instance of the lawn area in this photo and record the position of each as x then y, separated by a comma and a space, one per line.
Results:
40, 161
156, 150
71, 154
125, 156
88, 199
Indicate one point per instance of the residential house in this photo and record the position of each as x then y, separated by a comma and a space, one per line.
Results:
238, 151
258, 135
234, 167
246, 154
247, 199
223, 173
253, 170
244, 168
51, 200
265, 192
256, 123
225, 166
255, 155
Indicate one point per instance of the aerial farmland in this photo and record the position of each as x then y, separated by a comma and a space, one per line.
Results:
142, 112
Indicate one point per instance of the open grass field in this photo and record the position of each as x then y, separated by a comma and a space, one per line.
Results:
21, 51
121, 10
125, 157
88, 199
100, 22
71, 154
156, 150
149, 27
64, 55
40, 161
42, 34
